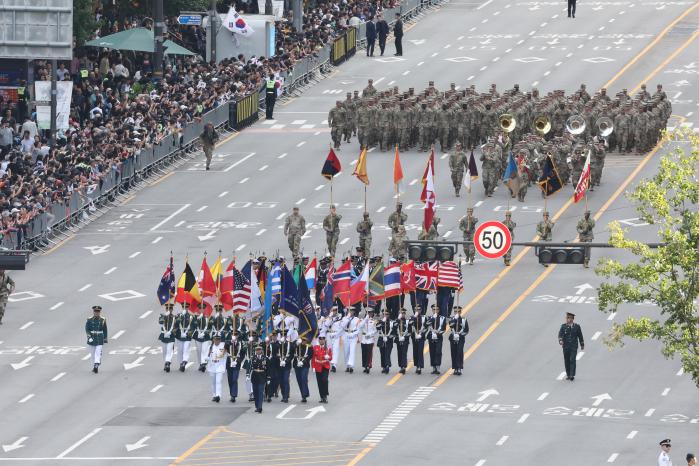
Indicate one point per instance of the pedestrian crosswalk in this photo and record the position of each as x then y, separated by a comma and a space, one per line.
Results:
397, 415
302, 124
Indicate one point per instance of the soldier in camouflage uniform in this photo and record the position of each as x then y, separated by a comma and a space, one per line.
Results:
294, 229
364, 229
586, 235
7, 287
545, 230
622, 128
577, 161
331, 225
443, 124
398, 247
491, 162
369, 90
468, 226
641, 129
384, 126
402, 125
458, 163
424, 124
364, 124
350, 118
397, 218
432, 233
596, 163
337, 119
510, 224
357, 102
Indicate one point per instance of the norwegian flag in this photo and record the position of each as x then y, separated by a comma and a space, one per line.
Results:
448, 275
241, 293
426, 276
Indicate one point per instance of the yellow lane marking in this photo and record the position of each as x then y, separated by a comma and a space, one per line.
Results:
61, 243
361, 455
667, 60
196, 446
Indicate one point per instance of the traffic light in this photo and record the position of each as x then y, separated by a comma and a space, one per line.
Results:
561, 255
430, 251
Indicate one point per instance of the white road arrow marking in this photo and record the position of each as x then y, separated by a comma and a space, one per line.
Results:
136, 363
23, 364
208, 236
97, 249
311, 412
486, 393
618, 42
600, 398
417, 41
581, 288
15, 445
597, 8
553, 42
135, 446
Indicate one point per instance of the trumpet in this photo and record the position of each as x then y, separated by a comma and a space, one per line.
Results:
542, 125
605, 126
507, 122
575, 125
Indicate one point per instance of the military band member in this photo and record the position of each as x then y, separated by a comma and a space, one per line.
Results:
586, 235
418, 328
234, 361
183, 335
331, 225
334, 336
168, 328
364, 229
402, 340
7, 287
468, 226
303, 353
386, 331
322, 355
294, 229
286, 362
568, 337
437, 325
459, 330
510, 224
258, 376
216, 366
202, 338
96, 330
350, 330
368, 333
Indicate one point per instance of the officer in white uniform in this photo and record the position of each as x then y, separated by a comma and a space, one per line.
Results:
334, 335
350, 331
664, 457
367, 340
216, 366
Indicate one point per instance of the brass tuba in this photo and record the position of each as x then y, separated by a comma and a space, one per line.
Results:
542, 125
605, 126
575, 125
507, 122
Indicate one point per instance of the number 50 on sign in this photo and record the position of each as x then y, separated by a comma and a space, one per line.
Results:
492, 239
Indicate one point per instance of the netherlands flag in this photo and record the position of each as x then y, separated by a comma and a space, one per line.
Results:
310, 274
391, 280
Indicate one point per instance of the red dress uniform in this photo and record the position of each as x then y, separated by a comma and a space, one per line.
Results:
322, 355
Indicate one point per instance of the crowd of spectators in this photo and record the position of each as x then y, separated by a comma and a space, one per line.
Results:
117, 110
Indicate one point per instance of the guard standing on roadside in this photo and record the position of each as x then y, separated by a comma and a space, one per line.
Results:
585, 227
568, 337
208, 138
398, 35
270, 95
382, 32
294, 229
459, 330
258, 376
168, 327
370, 37
96, 330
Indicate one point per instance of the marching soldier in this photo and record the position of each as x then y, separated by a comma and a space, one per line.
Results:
510, 224
586, 235
334, 335
234, 361
183, 335
202, 338
545, 229
250, 346
350, 332
96, 330
397, 218
217, 366
258, 376
350, 109
437, 325
364, 229
302, 363
321, 366
402, 340
417, 327
457, 164
368, 332
168, 328
468, 226
208, 140
491, 157
386, 332
294, 229
398, 246
218, 324
286, 361
568, 337
337, 119
331, 225
7, 287
273, 353
459, 330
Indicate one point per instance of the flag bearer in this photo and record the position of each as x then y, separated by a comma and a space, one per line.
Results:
168, 327
96, 330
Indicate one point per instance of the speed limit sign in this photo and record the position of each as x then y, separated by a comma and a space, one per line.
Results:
492, 239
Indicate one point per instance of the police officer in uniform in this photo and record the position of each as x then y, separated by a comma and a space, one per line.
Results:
585, 227
459, 330
168, 329
7, 287
96, 330
270, 96
258, 376
294, 229
568, 337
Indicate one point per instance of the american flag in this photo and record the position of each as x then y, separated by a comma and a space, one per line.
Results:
241, 293
448, 275
426, 276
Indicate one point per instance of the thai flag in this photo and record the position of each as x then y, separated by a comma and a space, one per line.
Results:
391, 280
310, 274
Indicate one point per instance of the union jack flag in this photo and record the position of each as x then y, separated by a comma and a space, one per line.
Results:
241, 293
426, 276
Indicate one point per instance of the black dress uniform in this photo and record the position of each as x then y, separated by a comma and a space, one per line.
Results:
236, 356
286, 362
386, 331
402, 341
259, 365
302, 364
568, 336
459, 330
272, 349
418, 327
437, 325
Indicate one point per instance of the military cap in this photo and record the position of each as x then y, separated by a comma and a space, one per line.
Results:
666, 443
217, 336
97, 308
169, 306
202, 305
570, 314
258, 347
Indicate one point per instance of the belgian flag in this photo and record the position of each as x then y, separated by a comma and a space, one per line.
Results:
187, 288
549, 182
332, 166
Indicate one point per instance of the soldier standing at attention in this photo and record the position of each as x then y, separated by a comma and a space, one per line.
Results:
336, 121
168, 324
258, 377
468, 226
294, 229
585, 227
417, 326
7, 287
510, 226
545, 229
236, 356
216, 366
208, 138
397, 218
96, 330
457, 164
568, 337
364, 229
331, 225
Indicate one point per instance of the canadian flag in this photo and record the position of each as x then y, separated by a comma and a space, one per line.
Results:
584, 181
430, 198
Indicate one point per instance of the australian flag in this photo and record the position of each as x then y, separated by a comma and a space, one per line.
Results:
549, 182
166, 289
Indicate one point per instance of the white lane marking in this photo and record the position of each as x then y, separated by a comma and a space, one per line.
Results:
86, 357
496, 59
240, 248
611, 316
558, 63
543, 25
118, 334
354, 162
202, 208
78, 443
496, 13
26, 398
298, 122
180, 223
170, 217
484, 21
613, 457
508, 50
282, 155
531, 33
534, 84
380, 209
482, 5
681, 371
650, 412
58, 376
435, 54
460, 37
56, 306
579, 355
380, 79
502, 440
543, 396
85, 287
447, 234
145, 314
689, 114
156, 240
472, 29
260, 232
235, 164
243, 180
470, 78
314, 134
581, 46
134, 254
156, 388
301, 201
223, 194
665, 392
569, 54
447, 46
319, 187
263, 168
554, 16
520, 42
110, 271
398, 414
632, 434
611, 20
406, 72
601, 28
547, 73
300, 143
522, 418
420, 63
390, 83
344, 240
281, 216
596, 336
444, 156
480, 463
561, 376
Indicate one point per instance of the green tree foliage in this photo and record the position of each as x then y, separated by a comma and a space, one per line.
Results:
667, 276
84, 22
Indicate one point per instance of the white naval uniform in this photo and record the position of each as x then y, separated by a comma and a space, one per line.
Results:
334, 336
368, 331
216, 367
350, 329
664, 459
